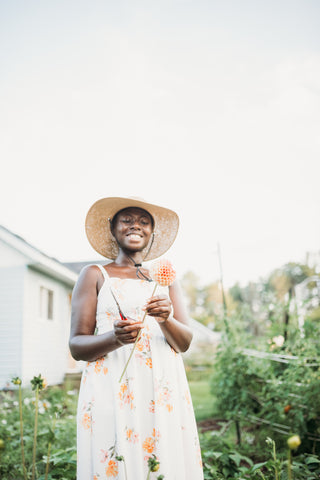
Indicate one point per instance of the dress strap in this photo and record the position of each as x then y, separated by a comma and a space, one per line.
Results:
103, 271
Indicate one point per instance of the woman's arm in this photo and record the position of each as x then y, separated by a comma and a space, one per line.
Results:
174, 325
84, 345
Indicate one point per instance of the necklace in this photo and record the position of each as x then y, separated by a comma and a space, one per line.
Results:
139, 272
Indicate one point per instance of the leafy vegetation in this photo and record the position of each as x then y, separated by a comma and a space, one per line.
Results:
56, 434
265, 378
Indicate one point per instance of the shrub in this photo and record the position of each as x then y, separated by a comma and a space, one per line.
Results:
274, 391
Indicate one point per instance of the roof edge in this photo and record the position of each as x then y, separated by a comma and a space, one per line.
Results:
36, 258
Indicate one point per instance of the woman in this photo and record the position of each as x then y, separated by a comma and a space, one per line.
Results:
148, 414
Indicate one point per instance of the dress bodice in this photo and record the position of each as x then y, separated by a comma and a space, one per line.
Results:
131, 294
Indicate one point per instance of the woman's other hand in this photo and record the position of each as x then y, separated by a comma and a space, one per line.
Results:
159, 307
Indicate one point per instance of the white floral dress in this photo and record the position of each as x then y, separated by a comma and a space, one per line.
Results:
149, 413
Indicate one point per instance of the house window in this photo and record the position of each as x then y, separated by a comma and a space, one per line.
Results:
46, 303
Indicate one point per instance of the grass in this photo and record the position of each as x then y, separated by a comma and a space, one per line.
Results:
203, 400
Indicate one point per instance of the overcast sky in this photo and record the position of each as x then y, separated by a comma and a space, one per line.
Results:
211, 108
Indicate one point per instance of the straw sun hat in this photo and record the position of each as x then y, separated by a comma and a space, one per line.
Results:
166, 224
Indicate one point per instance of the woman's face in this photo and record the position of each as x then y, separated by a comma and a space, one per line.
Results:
132, 228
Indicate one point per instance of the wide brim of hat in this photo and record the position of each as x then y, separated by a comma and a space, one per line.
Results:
166, 224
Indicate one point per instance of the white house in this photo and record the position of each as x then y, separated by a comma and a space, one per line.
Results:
35, 294
35, 308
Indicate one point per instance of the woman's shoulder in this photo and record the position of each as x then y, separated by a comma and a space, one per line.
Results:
90, 272
90, 268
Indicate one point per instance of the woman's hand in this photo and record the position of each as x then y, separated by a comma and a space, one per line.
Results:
126, 331
159, 307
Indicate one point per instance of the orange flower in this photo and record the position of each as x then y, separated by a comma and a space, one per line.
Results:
169, 407
163, 272
112, 469
149, 362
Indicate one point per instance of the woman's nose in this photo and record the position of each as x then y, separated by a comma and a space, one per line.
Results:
135, 223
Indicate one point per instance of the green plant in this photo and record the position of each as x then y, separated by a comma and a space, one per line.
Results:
38, 384
55, 456
276, 389
221, 461
17, 381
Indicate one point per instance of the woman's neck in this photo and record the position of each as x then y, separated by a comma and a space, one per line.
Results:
125, 259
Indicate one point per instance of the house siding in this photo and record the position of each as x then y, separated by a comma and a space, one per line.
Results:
45, 342
10, 257
11, 319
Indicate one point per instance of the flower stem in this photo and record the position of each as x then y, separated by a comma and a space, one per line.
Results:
35, 432
137, 339
148, 476
21, 434
125, 469
289, 465
49, 448
275, 460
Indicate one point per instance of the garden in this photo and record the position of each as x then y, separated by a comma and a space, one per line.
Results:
256, 395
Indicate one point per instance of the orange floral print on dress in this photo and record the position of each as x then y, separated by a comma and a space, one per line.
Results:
99, 366
152, 406
187, 398
198, 451
104, 455
86, 418
112, 469
148, 445
86, 421
123, 388
125, 396
155, 433
143, 349
131, 436
163, 392
143, 344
